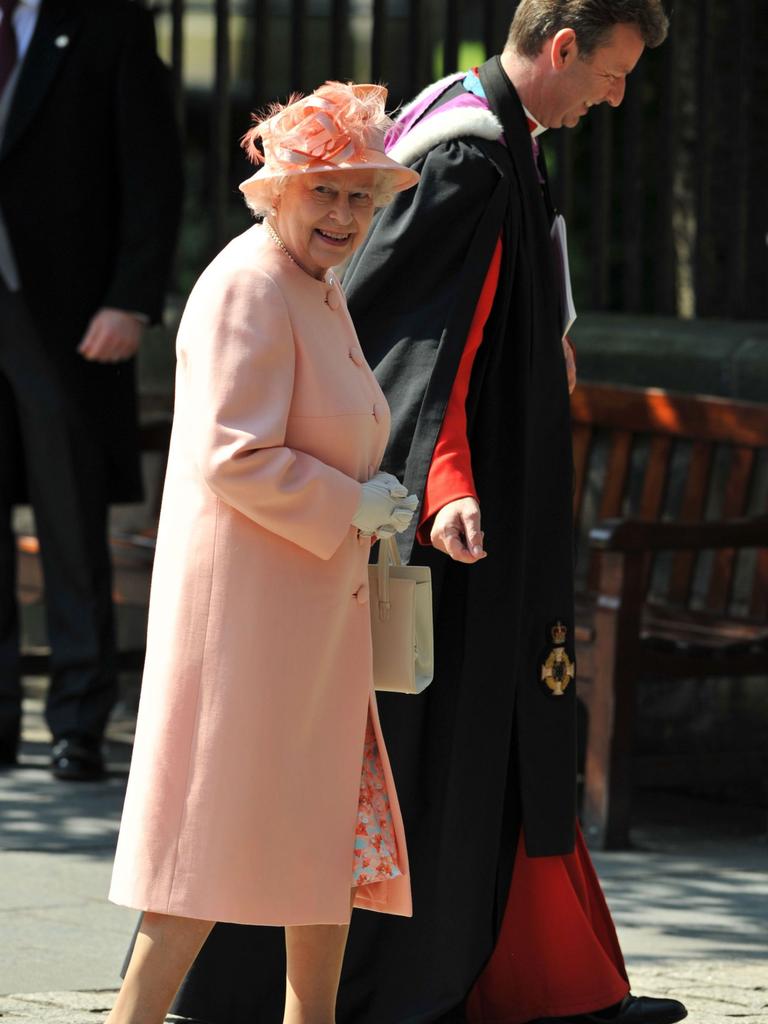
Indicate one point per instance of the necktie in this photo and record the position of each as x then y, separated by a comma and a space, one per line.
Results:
8, 50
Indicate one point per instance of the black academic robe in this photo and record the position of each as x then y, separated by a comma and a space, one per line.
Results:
90, 191
488, 744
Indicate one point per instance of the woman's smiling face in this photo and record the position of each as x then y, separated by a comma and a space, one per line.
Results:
322, 218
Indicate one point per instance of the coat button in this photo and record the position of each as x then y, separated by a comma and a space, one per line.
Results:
356, 356
332, 298
361, 594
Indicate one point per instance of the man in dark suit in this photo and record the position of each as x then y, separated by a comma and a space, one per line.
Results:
90, 192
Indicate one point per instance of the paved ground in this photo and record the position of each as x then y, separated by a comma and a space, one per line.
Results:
690, 901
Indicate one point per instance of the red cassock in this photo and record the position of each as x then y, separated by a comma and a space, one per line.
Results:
557, 952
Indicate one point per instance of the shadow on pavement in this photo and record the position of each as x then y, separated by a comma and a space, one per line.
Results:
696, 883
40, 813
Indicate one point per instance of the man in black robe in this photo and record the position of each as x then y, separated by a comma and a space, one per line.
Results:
458, 299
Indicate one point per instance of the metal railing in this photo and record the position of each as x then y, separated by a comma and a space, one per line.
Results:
665, 197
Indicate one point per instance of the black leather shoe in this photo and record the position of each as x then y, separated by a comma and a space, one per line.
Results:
631, 1010
75, 761
8, 758
9, 746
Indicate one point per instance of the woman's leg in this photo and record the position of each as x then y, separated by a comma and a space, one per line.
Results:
163, 953
314, 953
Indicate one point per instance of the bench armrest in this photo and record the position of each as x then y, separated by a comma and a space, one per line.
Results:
635, 535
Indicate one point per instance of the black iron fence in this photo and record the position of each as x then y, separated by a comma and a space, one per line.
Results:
666, 198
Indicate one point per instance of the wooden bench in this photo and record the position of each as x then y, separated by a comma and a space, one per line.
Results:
671, 492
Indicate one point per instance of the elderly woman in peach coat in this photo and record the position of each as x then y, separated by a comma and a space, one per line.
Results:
260, 790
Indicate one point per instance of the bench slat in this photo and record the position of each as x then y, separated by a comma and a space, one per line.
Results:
655, 479
653, 411
616, 476
758, 606
691, 511
734, 505
654, 490
582, 445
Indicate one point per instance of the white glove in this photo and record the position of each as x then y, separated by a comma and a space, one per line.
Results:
385, 506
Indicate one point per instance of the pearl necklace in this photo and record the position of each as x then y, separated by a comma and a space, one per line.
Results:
279, 242
281, 245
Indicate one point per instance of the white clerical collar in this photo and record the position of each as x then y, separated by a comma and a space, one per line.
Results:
536, 127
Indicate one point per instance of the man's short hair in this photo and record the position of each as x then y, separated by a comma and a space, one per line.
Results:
535, 21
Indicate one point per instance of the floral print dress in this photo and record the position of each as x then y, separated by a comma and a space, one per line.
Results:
375, 842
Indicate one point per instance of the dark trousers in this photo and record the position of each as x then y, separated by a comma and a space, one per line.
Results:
45, 437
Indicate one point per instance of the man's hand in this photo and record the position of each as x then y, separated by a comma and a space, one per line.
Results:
456, 531
570, 364
112, 336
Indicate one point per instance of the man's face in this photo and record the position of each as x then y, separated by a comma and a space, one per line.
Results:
575, 85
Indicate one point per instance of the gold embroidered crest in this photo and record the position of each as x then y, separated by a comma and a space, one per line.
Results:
557, 671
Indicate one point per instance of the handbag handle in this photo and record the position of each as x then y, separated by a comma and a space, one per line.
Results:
388, 554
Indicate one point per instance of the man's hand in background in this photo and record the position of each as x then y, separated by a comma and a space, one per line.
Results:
112, 336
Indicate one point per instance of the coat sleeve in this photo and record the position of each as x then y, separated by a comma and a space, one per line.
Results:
450, 472
149, 185
237, 357
412, 290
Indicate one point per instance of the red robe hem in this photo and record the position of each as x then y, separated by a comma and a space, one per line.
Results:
557, 953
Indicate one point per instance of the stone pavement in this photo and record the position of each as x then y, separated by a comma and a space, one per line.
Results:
690, 901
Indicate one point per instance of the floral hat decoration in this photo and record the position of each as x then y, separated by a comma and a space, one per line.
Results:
339, 127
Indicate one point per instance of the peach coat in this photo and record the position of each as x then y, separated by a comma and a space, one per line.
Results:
243, 791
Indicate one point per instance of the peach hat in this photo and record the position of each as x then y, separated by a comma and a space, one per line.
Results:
339, 127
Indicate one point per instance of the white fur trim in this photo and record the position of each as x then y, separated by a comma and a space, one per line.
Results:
435, 88
438, 128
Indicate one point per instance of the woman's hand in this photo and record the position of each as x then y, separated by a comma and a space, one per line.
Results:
456, 531
385, 506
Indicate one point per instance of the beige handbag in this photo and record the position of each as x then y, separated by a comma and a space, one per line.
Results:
401, 622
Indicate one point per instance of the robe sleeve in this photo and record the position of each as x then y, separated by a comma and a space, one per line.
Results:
412, 290
236, 352
450, 473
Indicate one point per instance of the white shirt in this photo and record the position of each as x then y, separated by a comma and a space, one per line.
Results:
24, 22
538, 128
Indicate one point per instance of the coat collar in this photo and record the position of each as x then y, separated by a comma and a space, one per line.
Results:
57, 23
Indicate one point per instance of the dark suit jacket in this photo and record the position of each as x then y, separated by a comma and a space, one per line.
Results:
90, 189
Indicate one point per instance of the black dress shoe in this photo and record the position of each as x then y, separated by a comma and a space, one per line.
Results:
631, 1010
76, 761
10, 738
9, 746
